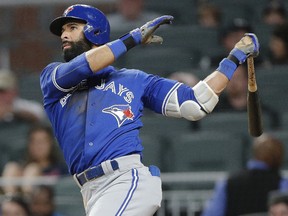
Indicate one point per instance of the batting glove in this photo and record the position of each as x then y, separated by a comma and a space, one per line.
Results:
142, 35
247, 46
149, 28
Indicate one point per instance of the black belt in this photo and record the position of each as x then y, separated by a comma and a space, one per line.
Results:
94, 172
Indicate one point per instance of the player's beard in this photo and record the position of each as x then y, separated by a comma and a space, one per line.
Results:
76, 49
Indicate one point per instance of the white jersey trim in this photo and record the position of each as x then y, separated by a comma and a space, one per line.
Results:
167, 97
56, 84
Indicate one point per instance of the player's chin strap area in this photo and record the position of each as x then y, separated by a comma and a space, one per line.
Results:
192, 110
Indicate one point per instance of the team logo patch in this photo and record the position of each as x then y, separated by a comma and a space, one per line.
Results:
120, 112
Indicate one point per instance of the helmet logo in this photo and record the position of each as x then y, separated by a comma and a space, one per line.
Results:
89, 28
69, 9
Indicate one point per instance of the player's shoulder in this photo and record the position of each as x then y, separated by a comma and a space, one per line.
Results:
50, 67
53, 64
134, 73
130, 71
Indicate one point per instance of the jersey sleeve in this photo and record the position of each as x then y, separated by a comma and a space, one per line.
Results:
157, 92
58, 79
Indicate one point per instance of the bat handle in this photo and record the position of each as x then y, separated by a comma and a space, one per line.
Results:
252, 85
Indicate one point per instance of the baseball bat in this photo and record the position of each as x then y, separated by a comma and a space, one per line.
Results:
255, 122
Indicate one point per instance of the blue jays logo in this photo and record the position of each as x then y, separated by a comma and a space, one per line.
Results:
69, 9
120, 112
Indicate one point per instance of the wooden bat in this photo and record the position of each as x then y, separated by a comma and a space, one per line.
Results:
255, 122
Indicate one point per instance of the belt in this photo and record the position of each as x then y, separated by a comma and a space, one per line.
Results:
94, 172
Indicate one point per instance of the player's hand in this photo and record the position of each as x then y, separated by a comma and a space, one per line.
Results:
247, 46
149, 28
144, 34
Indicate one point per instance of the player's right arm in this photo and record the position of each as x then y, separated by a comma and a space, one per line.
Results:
101, 57
58, 79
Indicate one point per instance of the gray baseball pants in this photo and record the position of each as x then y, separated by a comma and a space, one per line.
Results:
131, 190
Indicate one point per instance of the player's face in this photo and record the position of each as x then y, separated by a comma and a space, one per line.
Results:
73, 41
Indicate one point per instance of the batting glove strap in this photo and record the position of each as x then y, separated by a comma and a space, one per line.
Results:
227, 67
136, 35
240, 55
233, 59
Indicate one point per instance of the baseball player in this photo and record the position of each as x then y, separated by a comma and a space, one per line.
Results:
95, 109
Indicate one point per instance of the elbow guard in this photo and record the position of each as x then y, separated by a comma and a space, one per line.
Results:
206, 98
192, 110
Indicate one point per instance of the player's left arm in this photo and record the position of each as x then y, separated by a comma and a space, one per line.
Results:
247, 46
191, 103
174, 99
203, 96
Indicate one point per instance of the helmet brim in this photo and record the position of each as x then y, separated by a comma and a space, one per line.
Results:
56, 24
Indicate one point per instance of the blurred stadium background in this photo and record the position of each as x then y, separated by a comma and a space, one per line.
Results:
191, 157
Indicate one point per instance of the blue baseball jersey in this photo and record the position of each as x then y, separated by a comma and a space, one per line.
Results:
96, 116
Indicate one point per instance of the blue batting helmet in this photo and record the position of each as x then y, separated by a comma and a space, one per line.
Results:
97, 28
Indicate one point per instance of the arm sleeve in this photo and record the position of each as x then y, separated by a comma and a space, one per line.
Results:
57, 79
216, 206
67, 75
